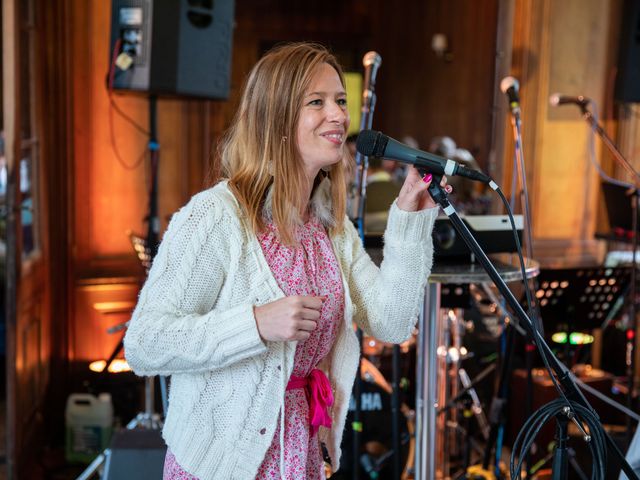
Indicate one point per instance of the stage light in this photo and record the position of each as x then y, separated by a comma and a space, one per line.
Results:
574, 338
118, 365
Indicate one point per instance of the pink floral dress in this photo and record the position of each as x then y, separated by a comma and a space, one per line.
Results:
309, 268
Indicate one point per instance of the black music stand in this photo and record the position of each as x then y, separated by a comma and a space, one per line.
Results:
618, 201
579, 298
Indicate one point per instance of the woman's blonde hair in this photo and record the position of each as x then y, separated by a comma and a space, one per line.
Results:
260, 148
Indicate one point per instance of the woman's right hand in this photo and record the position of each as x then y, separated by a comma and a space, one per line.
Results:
289, 318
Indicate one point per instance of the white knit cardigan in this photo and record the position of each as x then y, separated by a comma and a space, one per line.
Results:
194, 321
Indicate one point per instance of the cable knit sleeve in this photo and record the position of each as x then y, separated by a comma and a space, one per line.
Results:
178, 324
387, 300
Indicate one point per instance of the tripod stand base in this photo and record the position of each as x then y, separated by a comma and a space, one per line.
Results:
95, 466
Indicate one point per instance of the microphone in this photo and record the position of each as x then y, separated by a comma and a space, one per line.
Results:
510, 87
558, 99
376, 144
371, 62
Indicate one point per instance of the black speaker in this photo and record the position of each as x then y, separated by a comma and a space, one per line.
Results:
136, 454
172, 47
628, 78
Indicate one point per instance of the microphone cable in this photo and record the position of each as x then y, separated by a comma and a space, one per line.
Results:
537, 337
559, 406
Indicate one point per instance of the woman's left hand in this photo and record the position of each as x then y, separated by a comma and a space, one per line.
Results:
414, 195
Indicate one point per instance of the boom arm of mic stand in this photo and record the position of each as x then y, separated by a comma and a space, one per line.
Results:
635, 199
588, 116
564, 375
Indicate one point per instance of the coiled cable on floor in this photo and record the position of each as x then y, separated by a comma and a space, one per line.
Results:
531, 428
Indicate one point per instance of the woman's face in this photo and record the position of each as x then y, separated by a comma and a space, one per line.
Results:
324, 121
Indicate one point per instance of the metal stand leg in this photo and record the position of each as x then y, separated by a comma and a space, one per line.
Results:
149, 418
426, 391
94, 466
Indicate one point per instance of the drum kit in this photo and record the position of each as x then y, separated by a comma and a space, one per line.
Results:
444, 426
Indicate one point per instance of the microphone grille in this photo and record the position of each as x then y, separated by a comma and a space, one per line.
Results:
371, 58
554, 100
508, 82
366, 142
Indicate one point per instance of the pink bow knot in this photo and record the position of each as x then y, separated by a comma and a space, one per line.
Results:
317, 389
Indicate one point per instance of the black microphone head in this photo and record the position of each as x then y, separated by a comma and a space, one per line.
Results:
559, 99
371, 58
371, 143
510, 87
509, 82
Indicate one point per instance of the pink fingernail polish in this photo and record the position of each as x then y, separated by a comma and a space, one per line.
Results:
427, 178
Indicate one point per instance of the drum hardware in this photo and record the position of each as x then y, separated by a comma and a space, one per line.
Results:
496, 305
497, 417
430, 453
476, 407
453, 355
375, 451
377, 455
481, 376
372, 347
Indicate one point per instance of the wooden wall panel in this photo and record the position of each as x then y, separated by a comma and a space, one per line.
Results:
565, 47
575, 52
423, 95
418, 93
100, 305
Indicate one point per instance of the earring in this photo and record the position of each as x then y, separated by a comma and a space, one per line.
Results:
284, 139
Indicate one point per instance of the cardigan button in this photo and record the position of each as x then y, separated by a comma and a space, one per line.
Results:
279, 367
263, 431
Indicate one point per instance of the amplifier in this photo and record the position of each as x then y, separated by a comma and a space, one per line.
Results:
136, 454
492, 232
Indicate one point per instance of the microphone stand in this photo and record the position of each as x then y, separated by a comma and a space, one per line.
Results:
362, 163
562, 372
560, 465
524, 200
635, 198
520, 167
497, 415
153, 220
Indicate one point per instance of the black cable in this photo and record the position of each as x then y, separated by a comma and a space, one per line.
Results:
556, 408
119, 111
536, 337
114, 106
114, 147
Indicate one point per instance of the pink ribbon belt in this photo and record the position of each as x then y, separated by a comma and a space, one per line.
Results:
317, 388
